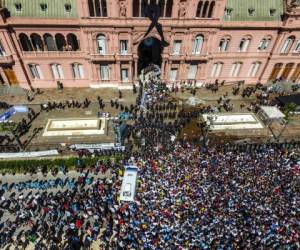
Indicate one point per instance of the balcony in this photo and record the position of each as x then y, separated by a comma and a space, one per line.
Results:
124, 57
241, 55
100, 57
195, 57
52, 54
177, 57
6, 59
286, 56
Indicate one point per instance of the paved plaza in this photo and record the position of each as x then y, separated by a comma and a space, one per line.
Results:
203, 96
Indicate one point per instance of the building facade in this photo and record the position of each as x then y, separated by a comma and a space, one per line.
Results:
94, 43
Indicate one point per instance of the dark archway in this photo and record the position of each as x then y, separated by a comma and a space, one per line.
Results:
73, 42
25, 42
169, 8
161, 5
50, 43
205, 9
136, 8
149, 51
199, 9
275, 71
211, 10
37, 42
91, 7
60, 42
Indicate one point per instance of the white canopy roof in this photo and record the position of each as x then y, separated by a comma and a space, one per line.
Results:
272, 112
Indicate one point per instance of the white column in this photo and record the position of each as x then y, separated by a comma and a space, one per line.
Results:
94, 1
130, 71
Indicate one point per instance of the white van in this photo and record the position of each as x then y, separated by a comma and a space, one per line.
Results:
128, 187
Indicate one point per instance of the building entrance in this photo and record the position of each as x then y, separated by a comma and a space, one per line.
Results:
10, 75
149, 51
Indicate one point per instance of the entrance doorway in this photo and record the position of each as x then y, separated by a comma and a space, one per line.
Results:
10, 75
149, 51
1, 80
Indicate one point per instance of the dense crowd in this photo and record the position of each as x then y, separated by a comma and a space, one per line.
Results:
186, 199
189, 196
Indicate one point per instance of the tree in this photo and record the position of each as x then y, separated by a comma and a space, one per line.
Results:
289, 109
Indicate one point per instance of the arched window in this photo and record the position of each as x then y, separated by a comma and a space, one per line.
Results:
77, 70
192, 73
49, 41
287, 45
103, 8
297, 47
169, 8
263, 44
161, 4
198, 43
25, 42
57, 71
211, 9
2, 50
72, 42
91, 7
60, 42
101, 44
37, 42
254, 69
216, 69
35, 71
205, 9
136, 8
244, 44
287, 70
97, 8
224, 44
235, 69
104, 72
296, 73
177, 47
199, 9
143, 7
275, 71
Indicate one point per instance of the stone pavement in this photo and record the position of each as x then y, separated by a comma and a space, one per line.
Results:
109, 93
39, 142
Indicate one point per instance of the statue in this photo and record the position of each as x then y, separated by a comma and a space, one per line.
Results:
122, 8
153, 12
293, 3
182, 10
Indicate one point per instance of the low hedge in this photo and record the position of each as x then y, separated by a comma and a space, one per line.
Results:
25, 166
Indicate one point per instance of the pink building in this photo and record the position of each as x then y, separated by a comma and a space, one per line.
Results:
102, 42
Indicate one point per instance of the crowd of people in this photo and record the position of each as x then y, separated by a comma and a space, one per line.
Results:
189, 196
11, 142
69, 218
186, 199
14, 142
67, 104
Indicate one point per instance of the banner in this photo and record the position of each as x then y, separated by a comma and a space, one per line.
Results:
103, 146
29, 154
11, 111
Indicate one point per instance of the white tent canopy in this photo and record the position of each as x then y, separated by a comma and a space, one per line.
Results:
270, 114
